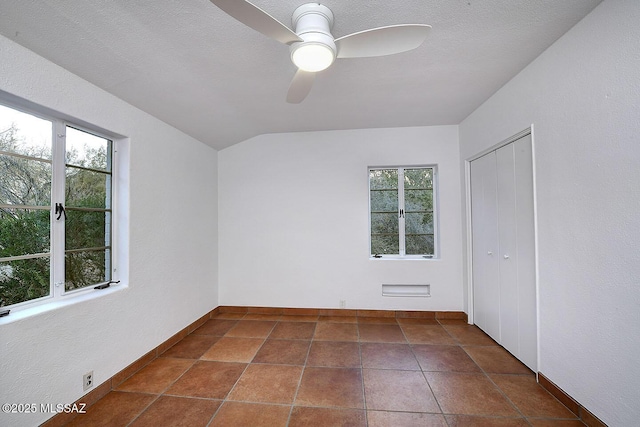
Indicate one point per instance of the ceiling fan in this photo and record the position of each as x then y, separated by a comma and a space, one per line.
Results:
312, 46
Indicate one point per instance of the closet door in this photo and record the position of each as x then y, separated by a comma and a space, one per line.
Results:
486, 279
507, 236
525, 238
504, 248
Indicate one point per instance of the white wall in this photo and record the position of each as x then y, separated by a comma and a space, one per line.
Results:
173, 251
293, 220
583, 97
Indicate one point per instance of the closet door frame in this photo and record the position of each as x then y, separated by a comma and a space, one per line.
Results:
469, 228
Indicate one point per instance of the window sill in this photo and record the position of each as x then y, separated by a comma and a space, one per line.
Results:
48, 305
402, 258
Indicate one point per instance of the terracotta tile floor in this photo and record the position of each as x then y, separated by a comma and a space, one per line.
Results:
249, 370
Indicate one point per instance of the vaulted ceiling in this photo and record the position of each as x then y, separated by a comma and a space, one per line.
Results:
196, 68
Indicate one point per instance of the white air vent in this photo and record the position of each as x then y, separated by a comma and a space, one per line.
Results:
406, 290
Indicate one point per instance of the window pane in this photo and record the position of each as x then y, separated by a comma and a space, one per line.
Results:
86, 268
383, 179
418, 178
384, 244
88, 150
87, 189
87, 229
384, 223
418, 200
383, 185
23, 232
384, 233
25, 134
24, 181
23, 280
419, 244
419, 223
384, 201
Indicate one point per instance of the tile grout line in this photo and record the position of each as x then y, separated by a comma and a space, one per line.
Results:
423, 373
163, 392
144, 410
497, 388
248, 363
304, 367
224, 399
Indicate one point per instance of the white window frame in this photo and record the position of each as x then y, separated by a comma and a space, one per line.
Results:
58, 295
401, 218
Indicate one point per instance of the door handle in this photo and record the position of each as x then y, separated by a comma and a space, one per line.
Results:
506, 257
489, 253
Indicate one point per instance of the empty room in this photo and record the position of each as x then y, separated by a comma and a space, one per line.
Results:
283, 213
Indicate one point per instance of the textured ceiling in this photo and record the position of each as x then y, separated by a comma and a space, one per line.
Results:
191, 65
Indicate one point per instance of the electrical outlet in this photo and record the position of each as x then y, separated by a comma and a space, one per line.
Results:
87, 381
343, 303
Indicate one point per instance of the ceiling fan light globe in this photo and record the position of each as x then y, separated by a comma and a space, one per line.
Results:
312, 57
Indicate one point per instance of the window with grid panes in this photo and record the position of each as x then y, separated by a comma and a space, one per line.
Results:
55, 208
402, 212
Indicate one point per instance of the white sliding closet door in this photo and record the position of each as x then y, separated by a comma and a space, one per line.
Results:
503, 248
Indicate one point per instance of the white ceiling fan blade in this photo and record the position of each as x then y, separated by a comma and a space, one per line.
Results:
256, 18
382, 41
300, 86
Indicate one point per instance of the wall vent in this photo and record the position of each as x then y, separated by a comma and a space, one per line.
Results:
406, 290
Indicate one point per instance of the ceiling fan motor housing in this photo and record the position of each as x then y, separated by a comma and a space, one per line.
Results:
313, 23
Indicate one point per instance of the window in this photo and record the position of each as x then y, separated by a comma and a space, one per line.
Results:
55, 208
401, 212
